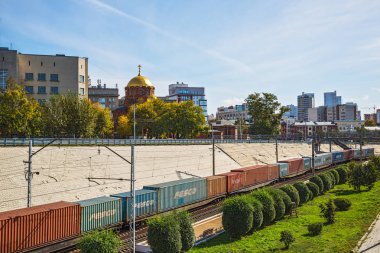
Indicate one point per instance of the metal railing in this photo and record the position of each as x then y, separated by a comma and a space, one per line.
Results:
127, 142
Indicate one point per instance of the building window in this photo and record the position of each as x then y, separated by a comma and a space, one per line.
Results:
53, 90
28, 76
42, 64
81, 91
54, 64
29, 63
41, 90
41, 77
3, 78
54, 77
81, 79
29, 89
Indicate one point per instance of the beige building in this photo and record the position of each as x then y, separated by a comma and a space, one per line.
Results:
45, 75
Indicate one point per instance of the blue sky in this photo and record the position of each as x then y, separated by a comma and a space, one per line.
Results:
231, 47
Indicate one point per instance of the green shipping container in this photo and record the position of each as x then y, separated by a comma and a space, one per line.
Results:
100, 212
179, 193
306, 163
284, 169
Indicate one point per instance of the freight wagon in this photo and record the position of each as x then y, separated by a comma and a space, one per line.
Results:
30, 228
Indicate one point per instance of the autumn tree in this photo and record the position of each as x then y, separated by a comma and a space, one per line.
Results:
123, 128
369, 122
103, 121
266, 113
18, 115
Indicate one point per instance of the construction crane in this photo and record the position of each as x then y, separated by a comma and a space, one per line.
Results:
369, 108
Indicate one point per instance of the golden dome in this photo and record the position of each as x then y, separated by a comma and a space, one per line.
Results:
140, 81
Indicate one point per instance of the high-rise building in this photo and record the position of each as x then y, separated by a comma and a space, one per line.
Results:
182, 92
45, 75
331, 99
304, 102
317, 114
347, 111
292, 113
378, 116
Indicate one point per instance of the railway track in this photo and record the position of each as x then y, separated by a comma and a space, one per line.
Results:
198, 214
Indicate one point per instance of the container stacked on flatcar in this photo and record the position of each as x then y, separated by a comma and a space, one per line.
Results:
99, 213
368, 152
216, 186
235, 181
178, 193
348, 155
145, 203
255, 174
296, 166
28, 228
306, 163
322, 160
283, 169
337, 157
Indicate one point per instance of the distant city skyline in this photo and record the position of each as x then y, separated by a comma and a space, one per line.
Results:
282, 47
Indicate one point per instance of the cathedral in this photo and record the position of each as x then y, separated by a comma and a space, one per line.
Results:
138, 90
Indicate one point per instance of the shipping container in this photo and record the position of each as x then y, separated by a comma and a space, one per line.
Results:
145, 203
28, 228
255, 174
273, 173
322, 160
99, 212
337, 157
306, 162
283, 169
235, 180
216, 186
296, 166
367, 152
348, 155
357, 154
179, 193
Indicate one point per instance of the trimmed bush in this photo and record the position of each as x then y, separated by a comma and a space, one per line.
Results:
328, 211
279, 204
336, 176
287, 201
258, 216
267, 201
287, 238
237, 217
102, 241
329, 174
343, 174
314, 189
186, 230
326, 181
369, 175
164, 234
318, 181
315, 228
303, 192
292, 193
342, 204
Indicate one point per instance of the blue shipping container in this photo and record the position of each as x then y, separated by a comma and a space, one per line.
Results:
306, 163
369, 152
180, 192
99, 212
284, 169
146, 203
357, 154
337, 157
322, 160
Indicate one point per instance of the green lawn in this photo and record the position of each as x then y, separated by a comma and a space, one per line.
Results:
341, 236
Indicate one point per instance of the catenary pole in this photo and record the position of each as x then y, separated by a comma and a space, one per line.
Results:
29, 175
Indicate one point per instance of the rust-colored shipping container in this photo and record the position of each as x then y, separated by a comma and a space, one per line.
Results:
235, 180
296, 165
348, 154
216, 185
273, 172
28, 228
255, 174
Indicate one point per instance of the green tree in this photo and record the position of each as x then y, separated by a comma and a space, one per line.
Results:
104, 241
304, 192
268, 203
266, 113
186, 230
328, 211
355, 176
237, 207
287, 238
369, 175
103, 121
164, 234
18, 115
69, 116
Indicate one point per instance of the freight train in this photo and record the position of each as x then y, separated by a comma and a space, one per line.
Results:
31, 228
